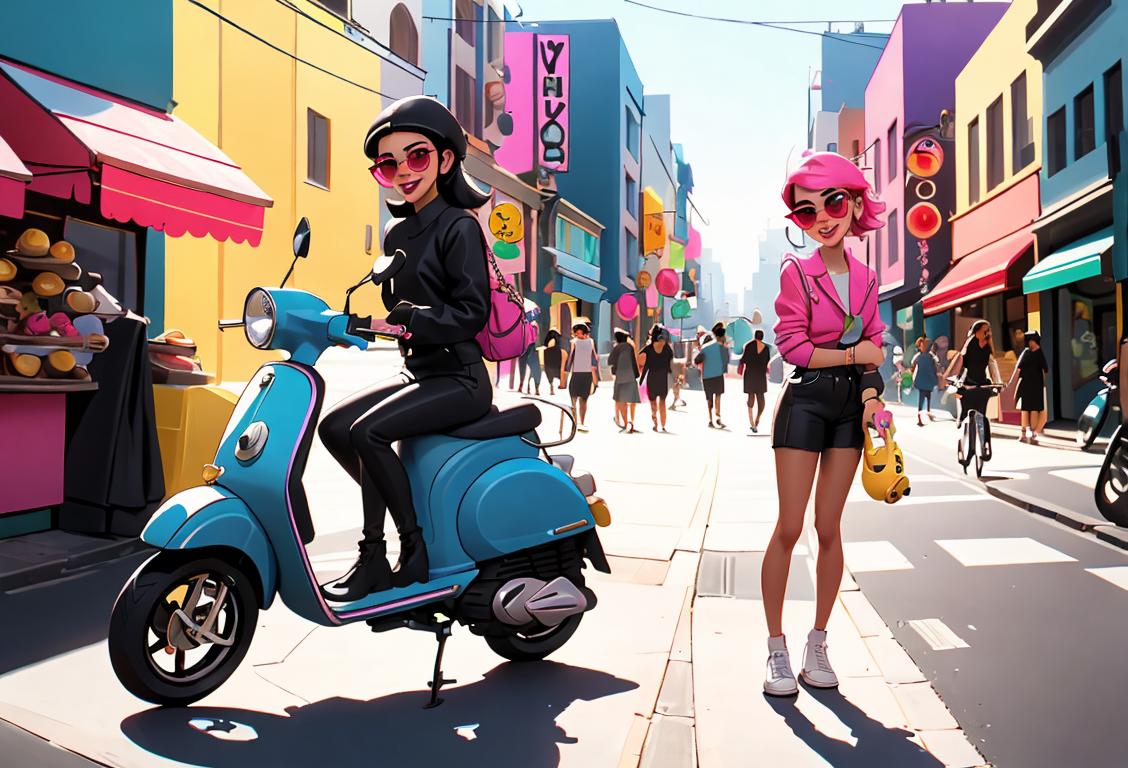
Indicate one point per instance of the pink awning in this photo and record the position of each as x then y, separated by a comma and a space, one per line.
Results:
985, 272
14, 177
156, 170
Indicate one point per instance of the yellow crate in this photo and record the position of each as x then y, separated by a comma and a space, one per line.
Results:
190, 422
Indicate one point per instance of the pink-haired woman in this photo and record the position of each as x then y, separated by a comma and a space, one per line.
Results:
828, 328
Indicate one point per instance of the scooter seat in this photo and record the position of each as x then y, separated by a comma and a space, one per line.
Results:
516, 420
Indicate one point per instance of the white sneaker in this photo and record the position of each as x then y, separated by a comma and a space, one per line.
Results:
817, 671
779, 680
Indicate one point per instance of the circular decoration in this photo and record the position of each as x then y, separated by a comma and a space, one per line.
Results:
667, 282
627, 306
680, 310
925, 157
930, 186
693, 245
923, 221
507, 251
642, 279
506, 223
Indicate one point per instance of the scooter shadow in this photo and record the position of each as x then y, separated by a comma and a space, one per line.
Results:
506, 719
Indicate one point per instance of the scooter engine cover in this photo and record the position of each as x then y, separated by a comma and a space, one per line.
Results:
518, 504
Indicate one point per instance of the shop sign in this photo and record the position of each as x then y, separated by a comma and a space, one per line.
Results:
503, 225
516, 154
536, 98
553, 82
929, 191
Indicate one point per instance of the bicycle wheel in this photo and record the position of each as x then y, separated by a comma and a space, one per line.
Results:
967, 442
979, 466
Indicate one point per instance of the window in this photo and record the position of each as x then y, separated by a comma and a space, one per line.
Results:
632, 254
632, 133
317, 149
632, 196
877, 236
1022, 144
894, 239
995, 168
877, 165
577, 241
497, 38
1055, 142
891, 140
112, 253
464, 14
464, 92
404, 36
339, 7
1084, 124
1114, 102
973, 161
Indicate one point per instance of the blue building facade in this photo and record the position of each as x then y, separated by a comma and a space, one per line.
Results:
848, 60
604, 172
1082, 47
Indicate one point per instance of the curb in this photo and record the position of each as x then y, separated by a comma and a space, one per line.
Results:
1078, 521
50, 570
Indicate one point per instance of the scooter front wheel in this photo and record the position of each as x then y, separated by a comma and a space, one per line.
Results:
534, 647
180, 628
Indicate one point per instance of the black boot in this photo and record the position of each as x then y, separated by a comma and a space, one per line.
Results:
370, 574
412, 566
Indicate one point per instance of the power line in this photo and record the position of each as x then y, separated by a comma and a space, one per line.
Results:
286, 53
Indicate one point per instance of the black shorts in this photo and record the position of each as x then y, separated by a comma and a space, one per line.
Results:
820, 408
579, 385
714, 385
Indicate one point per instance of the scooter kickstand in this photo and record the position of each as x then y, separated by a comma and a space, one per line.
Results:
437, 681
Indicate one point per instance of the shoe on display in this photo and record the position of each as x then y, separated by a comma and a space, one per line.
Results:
779, 680
817, 671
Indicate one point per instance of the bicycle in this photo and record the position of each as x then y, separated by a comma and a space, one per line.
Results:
975, 439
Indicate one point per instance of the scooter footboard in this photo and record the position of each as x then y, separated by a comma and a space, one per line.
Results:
212, 516
519, 504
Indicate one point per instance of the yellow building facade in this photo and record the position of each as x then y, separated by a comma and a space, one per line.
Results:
989, 76
254, 76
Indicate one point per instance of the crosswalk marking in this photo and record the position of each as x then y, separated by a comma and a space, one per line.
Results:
1117, 575
864, 556
937, 634
1010, 551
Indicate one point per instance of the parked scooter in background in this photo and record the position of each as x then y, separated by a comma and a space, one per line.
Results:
1111, 491
1095, 415
507, 526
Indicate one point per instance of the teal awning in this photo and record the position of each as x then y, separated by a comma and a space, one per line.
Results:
1079, 260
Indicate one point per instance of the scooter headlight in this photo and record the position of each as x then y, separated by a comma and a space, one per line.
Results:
259, 318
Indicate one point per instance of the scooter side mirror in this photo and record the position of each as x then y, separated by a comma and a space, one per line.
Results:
301, 239
388, 266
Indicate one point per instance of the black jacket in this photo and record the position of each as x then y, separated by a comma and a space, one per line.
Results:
442, 292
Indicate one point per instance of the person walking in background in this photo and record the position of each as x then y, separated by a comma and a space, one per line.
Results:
530, 360
624, 367
583, 367
714, 361
924, 367
656, 360
754, 368
1030, 397
677, 381
554, 356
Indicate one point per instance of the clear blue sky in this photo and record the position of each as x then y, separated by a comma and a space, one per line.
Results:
738, 98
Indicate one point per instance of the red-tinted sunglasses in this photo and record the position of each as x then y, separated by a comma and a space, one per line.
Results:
385, 170
837, 205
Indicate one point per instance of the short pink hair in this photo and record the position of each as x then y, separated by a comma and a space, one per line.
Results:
830, 170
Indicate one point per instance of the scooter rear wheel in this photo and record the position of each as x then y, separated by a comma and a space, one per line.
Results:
156, 654
534, 647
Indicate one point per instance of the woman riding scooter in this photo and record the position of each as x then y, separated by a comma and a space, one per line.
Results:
440, 296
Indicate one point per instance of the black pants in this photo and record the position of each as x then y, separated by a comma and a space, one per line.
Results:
974, 400
924, 398
359, 433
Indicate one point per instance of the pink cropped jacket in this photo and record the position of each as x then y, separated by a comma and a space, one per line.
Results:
814, 318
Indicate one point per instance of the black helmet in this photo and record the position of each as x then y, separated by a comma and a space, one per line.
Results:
428, 116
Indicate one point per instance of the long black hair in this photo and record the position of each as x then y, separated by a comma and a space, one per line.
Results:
425, 115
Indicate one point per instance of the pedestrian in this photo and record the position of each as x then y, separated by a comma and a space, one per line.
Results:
977, 360
623, 362
677, 378
554, 356
655, 360
1031, 373
530, 359
829, 328
925, 366
713, 357
583, 367
754, 368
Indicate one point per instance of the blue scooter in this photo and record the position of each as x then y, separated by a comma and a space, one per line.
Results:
507, 526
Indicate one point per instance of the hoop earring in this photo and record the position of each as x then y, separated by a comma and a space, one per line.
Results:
787, 234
